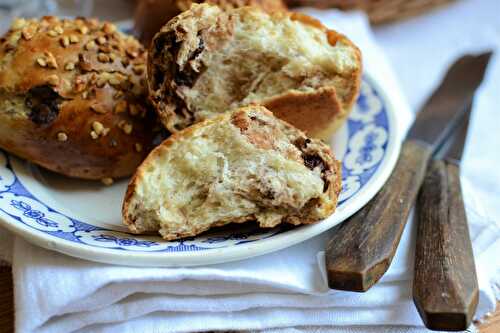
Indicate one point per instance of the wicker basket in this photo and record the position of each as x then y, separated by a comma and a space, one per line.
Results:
379, 11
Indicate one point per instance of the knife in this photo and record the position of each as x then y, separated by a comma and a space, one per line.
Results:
361, 249
445, 287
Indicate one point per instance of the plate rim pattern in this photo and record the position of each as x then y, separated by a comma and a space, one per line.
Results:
43, 225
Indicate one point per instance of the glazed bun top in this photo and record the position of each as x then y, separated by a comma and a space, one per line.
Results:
81, 59
73, 97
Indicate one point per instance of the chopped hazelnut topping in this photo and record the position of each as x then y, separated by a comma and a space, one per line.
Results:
64, 41
112, 57
52, 33
51, 60
138, 69
108, 75
69, 66
119, 94
73, 39
132, 53
127, 128
27, 33
107, 181
98, 127
53, 80
101, 40
91, 46
13, 40
94, 23
44, 23
41, 62
83, 30
102, 57
58, 29
138, 147
108, 28
51, 63
18, 23
94, 135
105, 48
83, 63
61, 136
97, 108
121, 106
115, 80
80, 84
101, 82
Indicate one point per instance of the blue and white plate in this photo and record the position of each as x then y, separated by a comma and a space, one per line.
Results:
82, 218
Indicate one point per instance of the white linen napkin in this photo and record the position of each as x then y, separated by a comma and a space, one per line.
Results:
281, 292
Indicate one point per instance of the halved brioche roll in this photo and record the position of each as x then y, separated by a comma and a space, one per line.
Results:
206, 61
239, 166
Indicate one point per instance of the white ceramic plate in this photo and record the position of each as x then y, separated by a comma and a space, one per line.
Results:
82, 218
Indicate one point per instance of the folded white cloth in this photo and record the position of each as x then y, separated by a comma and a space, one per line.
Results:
283, 291
55, 293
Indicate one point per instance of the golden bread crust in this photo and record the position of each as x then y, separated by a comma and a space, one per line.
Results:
72, 97
312, 110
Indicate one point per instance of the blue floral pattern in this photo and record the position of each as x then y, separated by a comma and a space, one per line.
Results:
123, 241
34, 214
368, 128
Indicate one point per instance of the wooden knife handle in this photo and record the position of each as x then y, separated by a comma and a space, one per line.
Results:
361, 248
445, 289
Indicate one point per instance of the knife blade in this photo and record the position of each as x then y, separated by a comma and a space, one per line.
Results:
445, 287
361, 249
453, 152
449, 102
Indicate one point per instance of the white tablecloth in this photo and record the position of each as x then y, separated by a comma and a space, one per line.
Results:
285, 291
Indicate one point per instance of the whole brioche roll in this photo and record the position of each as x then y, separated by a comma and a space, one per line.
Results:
239, 166
206, 61
72, 97
151, 15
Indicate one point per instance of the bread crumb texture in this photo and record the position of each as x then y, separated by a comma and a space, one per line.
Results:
206, 61
240, 166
